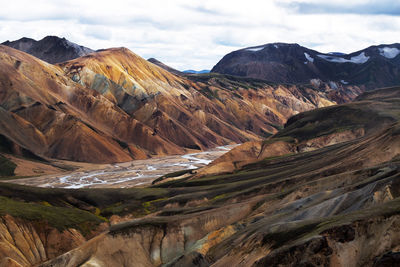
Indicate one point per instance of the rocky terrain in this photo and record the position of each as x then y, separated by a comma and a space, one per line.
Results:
314, 196
113, 106
51, 49
370, 68
314, 182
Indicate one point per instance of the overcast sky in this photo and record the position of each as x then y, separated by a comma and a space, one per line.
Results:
194, 34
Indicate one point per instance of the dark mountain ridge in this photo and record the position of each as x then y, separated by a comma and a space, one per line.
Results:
373, 67
51, 49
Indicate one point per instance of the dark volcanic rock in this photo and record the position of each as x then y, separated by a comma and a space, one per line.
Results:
51, 49
373, 67
391, 259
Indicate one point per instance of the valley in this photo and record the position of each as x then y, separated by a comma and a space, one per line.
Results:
125, 174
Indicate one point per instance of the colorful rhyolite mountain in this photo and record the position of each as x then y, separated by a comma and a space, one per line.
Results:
370, 68
112, 106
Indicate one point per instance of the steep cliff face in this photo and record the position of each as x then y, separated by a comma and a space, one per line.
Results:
24, 243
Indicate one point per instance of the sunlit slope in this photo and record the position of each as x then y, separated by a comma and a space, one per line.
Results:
49, 114
199, 112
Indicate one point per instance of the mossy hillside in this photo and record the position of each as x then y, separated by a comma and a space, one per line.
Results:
7, 167
371, 111
100, 202
325, 121
59, 217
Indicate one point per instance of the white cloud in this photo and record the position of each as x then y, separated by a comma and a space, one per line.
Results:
193, 34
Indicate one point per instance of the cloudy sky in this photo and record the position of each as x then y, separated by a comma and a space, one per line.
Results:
195, 34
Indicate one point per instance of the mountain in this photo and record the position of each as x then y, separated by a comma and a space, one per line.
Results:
113, 106
370, 68
193, 113
48, 114
329, 196
196, 71
51, 49
315, 129
164, 66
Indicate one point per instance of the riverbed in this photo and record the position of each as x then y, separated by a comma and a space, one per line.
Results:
127, 174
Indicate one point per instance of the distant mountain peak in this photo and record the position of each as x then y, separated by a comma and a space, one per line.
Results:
293, 63
52, 49
164, 66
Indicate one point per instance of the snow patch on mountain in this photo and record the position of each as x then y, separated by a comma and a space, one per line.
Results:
389, 52
360, 59
255, 49
308, 57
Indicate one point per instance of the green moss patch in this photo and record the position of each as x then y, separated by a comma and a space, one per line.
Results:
7, 167
59, 217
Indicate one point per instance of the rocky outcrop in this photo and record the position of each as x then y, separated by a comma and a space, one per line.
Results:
25, 243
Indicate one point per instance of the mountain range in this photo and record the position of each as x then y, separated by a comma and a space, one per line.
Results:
370, 68
123, 107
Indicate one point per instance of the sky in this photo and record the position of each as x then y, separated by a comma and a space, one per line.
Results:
194, 34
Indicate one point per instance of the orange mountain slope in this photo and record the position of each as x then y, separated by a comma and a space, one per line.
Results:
191, 113
49, 114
